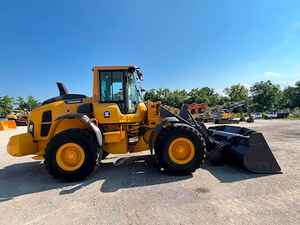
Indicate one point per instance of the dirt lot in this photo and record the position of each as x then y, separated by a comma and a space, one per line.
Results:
133, 191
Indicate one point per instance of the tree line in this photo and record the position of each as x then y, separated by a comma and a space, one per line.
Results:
263, 96
9, 104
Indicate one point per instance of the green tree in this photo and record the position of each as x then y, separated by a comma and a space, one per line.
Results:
224, 100
31, 103
21, 103
6, 105
265, 96
162, 94
151, 95
291, 96
237, 93
177, 98
204, 95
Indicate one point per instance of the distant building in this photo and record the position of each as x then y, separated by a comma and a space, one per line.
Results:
195, 108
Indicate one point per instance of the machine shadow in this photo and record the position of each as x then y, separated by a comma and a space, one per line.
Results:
129, 172
25, 178
31, 177
230, 174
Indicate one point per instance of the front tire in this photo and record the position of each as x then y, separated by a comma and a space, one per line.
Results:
71, 155
180, 150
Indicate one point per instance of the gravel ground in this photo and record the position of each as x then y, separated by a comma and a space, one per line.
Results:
132, 191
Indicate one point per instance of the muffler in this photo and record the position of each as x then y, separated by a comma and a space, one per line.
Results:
243, 147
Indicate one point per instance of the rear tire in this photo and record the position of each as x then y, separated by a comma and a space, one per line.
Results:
79, 141
179, 138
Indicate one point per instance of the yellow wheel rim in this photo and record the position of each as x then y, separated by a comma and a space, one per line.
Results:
181, 151
70, 156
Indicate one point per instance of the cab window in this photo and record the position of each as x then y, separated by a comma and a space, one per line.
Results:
133, 93
111, 86
122, 88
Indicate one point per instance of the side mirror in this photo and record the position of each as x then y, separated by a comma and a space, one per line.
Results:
138, 70
140, 75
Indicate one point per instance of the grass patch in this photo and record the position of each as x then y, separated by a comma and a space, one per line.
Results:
294, 117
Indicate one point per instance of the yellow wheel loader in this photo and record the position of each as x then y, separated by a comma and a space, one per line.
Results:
19, 117
73, 132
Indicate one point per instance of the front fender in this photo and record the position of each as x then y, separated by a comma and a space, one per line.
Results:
165, 123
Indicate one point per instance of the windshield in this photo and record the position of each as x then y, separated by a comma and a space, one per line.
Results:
134, 92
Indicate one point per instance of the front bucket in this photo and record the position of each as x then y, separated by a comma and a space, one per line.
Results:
246, 148
259, 158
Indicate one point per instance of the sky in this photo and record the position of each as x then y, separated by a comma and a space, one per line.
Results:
177, 43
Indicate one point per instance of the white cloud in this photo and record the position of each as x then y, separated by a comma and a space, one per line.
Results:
271, 74
220, 91
247, 85
286, 83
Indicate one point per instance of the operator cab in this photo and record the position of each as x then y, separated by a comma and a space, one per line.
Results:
119, 85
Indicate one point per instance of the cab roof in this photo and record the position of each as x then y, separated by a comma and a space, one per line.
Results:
111, 67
